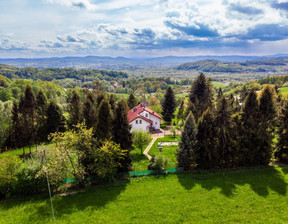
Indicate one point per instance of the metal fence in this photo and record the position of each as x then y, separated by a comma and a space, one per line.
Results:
137, 174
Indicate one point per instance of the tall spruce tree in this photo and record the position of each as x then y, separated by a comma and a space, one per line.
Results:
75, 110
112, 103
282, 145
267, 115
250, 139
206, 148
27, 109
132, 102
90, 110
168, 105
180, 114
223, 124
186, 152
201, 95
103, 128
122, 135
41, 116
55, 120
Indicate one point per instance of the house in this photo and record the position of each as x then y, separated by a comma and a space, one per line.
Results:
142, 117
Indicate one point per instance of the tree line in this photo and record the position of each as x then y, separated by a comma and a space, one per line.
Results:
232, 131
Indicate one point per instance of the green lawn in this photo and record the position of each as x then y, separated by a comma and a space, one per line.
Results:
140, 162
219, 84
256, 195
168, 151
284, 91
18, 152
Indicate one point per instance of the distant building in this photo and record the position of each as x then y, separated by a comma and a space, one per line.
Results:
142, 117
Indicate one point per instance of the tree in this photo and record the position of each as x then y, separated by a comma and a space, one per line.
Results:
223, 123
41, 110
201, 95
103, 128
89, 110
169, 105
55, 120
16, 129
140, 138
267, 115
206, 147
5, 122
250, 139
27, 109
75, 110
180, 115
186, 152
154, 104
122, 135
112, 103
282, 145
132, 102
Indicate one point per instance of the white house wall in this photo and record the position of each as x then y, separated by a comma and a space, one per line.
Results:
139, 126
154, 119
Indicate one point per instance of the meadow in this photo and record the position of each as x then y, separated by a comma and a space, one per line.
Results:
251, 195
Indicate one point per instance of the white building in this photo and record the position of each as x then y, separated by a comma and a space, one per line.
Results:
142, 117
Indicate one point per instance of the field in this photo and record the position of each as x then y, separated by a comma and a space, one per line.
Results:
284, 91
254, 195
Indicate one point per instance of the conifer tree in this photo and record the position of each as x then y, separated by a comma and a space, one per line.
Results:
206, 151
201, 95
55, 120
267, 115
89, 110
223, 124
180, 114
75, 110
99, 97
169, 105
250, 139
16, 130
112, 103
282, 145
27, 109
122, 135
41, 116
132, 102
186, 152
103, 128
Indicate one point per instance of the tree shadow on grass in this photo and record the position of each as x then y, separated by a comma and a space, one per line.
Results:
94, 197
260, 180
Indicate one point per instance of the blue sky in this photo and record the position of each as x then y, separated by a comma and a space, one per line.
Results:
142, 28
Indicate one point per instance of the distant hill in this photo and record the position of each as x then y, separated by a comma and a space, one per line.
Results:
117, 63
257, 65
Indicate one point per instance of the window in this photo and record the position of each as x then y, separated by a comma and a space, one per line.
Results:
155, 122
140, 122
146, 115
136, 121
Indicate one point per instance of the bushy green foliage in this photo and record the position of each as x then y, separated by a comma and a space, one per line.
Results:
8, 179
140, 138
158, 162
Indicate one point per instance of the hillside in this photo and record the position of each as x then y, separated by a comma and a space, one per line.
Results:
259, 65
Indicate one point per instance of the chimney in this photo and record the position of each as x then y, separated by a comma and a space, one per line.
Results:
134, 109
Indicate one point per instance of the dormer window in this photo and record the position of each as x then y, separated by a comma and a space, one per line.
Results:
146, 115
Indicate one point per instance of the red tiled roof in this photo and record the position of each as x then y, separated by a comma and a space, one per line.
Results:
135, 113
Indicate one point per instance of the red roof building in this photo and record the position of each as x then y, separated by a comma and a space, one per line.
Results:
142, 117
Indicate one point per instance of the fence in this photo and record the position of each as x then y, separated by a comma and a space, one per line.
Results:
137, 174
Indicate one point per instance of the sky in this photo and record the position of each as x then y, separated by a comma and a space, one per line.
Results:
142, 28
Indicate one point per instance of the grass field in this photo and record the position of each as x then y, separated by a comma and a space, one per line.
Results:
168, 151
219, 84
140, 162
18, 152
256, 195
284, 91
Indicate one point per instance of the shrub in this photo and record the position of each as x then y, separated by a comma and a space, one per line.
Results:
8, 178
158, 162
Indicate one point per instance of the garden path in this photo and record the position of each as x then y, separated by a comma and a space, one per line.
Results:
149, 147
